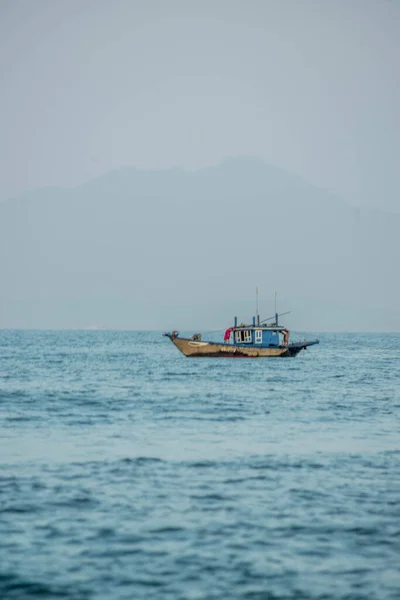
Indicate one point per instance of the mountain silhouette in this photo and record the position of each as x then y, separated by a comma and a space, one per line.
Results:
173, 248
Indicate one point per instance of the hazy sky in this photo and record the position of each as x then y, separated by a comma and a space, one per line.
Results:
310, 85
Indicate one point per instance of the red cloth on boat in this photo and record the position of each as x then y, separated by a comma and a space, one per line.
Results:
227, 334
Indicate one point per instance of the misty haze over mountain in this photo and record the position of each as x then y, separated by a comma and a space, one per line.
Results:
177, 249
100, 99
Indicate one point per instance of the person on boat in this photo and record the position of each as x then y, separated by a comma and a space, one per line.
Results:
227, 335
286, 335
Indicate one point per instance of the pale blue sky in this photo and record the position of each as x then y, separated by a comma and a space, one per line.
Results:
310, 85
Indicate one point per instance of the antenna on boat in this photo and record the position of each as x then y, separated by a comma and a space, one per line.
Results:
276, 314
257, 317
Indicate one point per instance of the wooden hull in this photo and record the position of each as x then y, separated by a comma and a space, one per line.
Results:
198, 349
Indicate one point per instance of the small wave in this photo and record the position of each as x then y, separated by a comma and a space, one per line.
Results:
15, 509
206, 464
141, 460
212, 497
15, 586
167, 529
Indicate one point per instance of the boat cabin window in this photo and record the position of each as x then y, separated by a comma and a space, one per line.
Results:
258, 339
243, 336
247, 336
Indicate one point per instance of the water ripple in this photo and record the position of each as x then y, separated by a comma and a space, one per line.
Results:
130, 472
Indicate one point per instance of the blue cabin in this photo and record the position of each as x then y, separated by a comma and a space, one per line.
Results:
260, 335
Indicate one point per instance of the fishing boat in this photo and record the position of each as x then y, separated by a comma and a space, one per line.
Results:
260, 339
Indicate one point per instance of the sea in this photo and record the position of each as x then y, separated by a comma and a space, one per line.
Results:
128, 471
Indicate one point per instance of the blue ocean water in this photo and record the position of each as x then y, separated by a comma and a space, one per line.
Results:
129, 471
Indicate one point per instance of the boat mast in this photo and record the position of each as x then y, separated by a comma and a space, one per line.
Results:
276, 314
